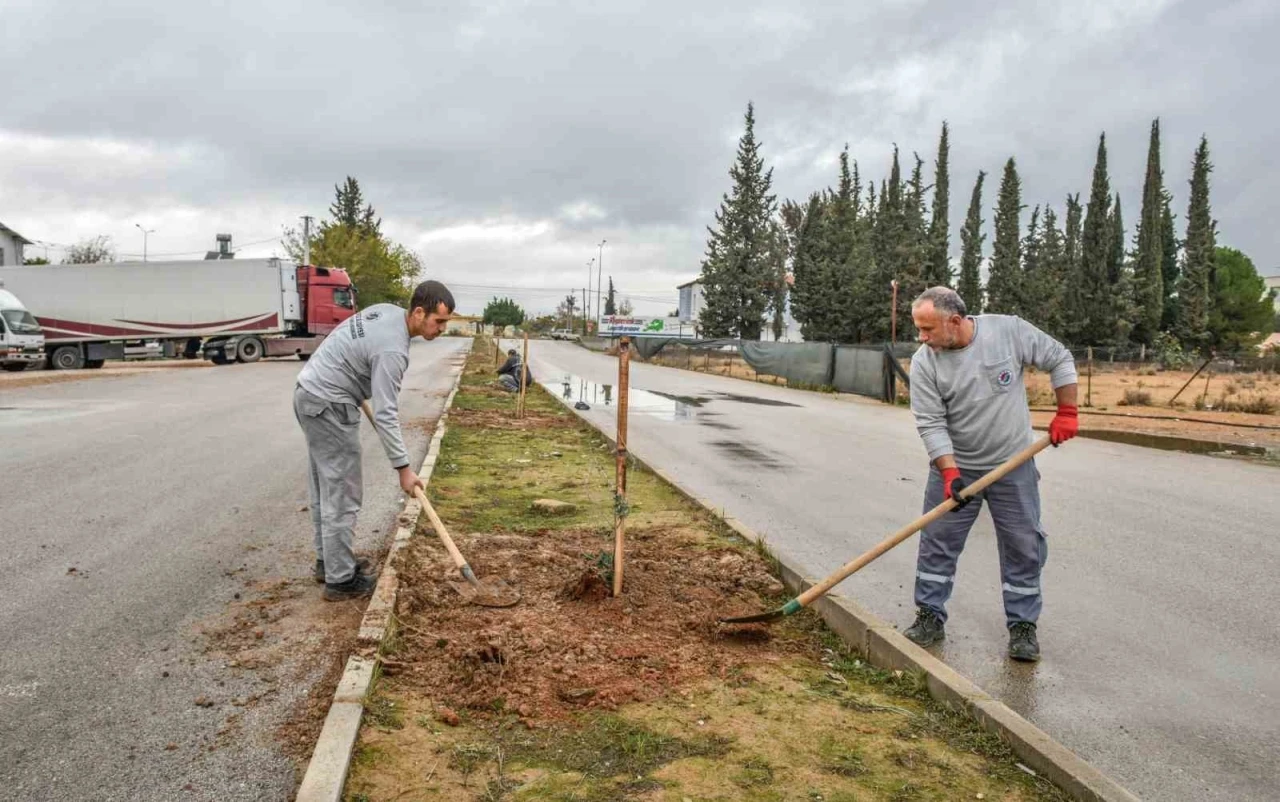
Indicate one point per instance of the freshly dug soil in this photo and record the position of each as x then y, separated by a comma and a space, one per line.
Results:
568, 645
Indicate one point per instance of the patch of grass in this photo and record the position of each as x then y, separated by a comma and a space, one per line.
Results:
841, 758
607, 745
384, 713
1255, 405
467, 758
367, 756
1135, 398
754, 773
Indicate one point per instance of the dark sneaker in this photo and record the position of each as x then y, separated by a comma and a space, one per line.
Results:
357, 587
927, 630
1023, 645
362, 565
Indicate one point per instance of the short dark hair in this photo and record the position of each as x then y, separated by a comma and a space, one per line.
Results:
429, 295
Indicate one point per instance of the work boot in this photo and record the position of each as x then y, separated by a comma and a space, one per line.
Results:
357, 587
362, 566
928, 628
1023, 645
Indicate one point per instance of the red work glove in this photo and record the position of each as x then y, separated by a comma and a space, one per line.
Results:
1064, 425
952, 484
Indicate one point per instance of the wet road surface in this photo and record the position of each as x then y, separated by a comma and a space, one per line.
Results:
1159, 636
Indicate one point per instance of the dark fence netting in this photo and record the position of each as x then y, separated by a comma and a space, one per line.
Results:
862, 369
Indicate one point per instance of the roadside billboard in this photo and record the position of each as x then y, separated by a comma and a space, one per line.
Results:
630, 326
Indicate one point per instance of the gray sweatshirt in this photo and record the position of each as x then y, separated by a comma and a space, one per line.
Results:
972, 402
365, 357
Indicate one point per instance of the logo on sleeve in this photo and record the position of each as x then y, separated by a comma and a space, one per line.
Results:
372, 316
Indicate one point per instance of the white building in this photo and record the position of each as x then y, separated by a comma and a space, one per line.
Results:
11, 244
692, 303
1273, 283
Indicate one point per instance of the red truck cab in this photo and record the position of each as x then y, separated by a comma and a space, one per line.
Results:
327, 296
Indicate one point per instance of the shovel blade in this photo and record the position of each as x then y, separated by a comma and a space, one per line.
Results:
758, 618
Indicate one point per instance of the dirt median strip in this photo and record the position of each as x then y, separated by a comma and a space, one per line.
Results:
577, 694
885, 648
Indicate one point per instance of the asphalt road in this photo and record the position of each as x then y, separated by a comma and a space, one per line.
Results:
1161, 650
152, 525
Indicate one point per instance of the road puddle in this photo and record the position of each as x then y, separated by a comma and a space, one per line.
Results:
664, 406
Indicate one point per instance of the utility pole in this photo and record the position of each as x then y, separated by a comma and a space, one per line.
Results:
599, 272
145, 232
586, 310
306, 239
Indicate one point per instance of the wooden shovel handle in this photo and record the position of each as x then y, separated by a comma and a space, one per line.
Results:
929, 517
436, 523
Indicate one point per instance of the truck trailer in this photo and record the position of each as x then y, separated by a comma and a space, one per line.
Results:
224, 310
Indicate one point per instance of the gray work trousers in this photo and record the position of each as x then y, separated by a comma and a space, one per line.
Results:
333, 448
1015, 510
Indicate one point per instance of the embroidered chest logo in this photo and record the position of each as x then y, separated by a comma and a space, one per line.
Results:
1005, 378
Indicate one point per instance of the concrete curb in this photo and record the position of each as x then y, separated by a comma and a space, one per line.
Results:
886, 648
326, 774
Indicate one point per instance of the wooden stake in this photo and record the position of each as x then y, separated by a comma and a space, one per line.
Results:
524, 371
1193, 378
620, 492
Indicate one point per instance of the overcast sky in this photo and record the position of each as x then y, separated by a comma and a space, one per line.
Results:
503, 140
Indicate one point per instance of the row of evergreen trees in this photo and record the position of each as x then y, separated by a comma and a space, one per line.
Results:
1071, 275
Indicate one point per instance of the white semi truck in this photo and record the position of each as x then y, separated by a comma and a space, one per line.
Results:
21, 339
226, 309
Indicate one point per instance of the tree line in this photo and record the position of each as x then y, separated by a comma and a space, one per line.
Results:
833, 256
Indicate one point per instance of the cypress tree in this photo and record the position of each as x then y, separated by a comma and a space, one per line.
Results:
1030, 285
1148, 263
1091, 309
939, 266
610, 305
971, 239
1004, 285
806, 271
1198, 255
1122, 309
1169, 265
737, 273
913, 249
1053, 270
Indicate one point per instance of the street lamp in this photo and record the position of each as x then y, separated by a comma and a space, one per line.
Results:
599, 271
145, 232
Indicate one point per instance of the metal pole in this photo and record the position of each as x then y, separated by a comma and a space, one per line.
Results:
587, 296
586, 309
893, 314
599, 274
620, 492
1193, 378
145, 233
1088, 396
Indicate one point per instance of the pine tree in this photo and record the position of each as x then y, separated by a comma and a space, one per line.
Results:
736, 273
1169, 265
1004, 284
1148, 263
971, 239
349, 209
610, 305
939, 266
913, 247
1243, 308
1090, 311
1198, 255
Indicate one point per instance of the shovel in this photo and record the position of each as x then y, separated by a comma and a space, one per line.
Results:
494, 593
822, 588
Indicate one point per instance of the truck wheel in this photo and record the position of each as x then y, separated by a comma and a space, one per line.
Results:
68, 357
304, 357
219, 358
14, 367
249, 350
94, 364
